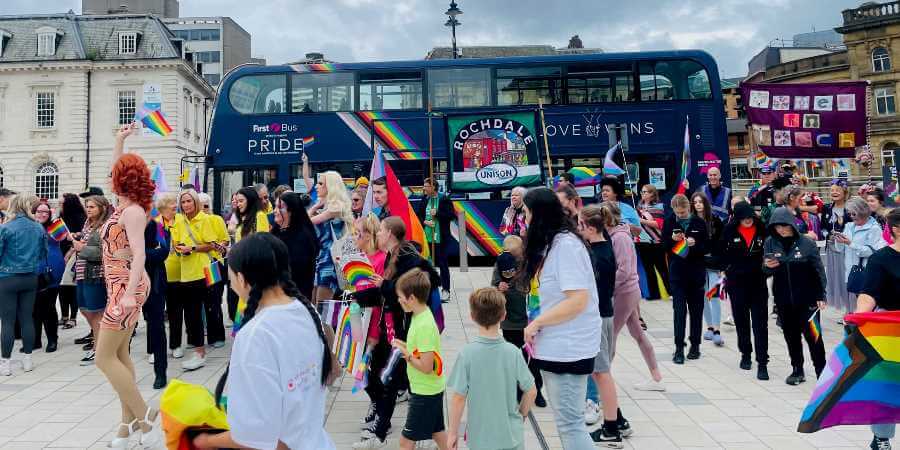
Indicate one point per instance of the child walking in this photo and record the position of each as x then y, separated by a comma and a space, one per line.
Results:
424, 367
495, 418
514, 288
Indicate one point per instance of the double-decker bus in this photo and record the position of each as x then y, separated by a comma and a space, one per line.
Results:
265, 117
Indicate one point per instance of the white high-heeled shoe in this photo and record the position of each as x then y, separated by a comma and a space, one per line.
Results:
122, 442
153, 439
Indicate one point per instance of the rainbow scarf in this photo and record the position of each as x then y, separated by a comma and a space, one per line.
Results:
860, 384
815, 325
58, 230
684, 184
681, 248
154, 120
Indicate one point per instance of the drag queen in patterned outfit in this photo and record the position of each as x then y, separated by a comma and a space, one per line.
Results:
127, 287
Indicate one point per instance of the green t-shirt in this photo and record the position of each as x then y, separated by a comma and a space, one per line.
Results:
424, 337
487, 372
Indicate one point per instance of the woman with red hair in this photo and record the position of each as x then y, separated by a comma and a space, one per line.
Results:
127, 287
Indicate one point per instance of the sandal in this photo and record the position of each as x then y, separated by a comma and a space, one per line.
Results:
154, 438
69, 324
122, 442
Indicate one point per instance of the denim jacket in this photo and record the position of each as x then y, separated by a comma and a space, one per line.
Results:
23, 247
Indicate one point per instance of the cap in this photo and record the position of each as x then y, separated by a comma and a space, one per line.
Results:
766, 169
743, 210
93, 190
362, 181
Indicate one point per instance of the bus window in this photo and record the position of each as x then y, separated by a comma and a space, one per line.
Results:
313, 92
390, 91
698, 81
259, 94
654, 86
592, 83
681, 80
459, 88
525, 86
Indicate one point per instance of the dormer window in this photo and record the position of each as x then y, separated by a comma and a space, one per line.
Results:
128, 42
47, 38
5, 36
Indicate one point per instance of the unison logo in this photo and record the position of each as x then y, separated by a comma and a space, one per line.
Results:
496, 174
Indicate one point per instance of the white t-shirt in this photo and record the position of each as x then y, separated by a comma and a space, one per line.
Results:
567, 267
274, 384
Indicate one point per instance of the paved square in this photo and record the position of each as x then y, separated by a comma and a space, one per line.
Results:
710, 403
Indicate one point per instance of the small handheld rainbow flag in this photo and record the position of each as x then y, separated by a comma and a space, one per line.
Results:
154, 120
584, 176
212, 273
58, 230
681, 248
238, 316
684, 184
307, 141
815, 325
712, 293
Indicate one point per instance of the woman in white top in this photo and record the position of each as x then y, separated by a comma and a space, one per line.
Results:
563, 310
276, 378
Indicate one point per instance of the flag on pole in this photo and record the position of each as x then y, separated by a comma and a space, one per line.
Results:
397, 203
815, 325
154, 120
609, 166
684, 185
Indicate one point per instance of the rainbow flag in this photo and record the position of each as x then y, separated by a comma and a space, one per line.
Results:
681, 248
762, 159
584, 176
212, 273
861, 381
713, 292
238, 316
307, 141
359, 274
684, 184
154, 120
609, 166
479, 227
58, 230
815, 325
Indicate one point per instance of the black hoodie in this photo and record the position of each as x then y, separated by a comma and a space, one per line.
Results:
742, 263
800, 279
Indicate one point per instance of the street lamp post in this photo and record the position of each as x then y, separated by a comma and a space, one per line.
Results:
453, 11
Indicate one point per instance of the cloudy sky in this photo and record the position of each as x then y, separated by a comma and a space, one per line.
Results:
370, 30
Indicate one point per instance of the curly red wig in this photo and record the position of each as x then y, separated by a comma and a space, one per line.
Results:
131, 179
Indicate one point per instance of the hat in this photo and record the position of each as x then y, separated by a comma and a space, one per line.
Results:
613, 182
743, 210
506, 262
766, 169
362, 181
93, 190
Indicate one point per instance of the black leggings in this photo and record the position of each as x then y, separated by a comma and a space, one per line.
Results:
153, 310
68, 307
17, 294
45, 315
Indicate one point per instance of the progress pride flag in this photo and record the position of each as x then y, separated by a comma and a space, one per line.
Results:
807, 120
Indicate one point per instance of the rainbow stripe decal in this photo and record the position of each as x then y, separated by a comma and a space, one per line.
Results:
212, 273
480, 227
389, 132
358, 274
154, 120
318, 68
438, 368
58, 230
681, 249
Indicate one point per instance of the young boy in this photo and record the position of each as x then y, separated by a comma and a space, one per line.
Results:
422, 352
495, 418
506, 280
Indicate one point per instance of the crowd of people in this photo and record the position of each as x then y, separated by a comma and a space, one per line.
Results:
571, 276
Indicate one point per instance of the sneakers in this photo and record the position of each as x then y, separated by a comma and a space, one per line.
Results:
694, 352
678, 356
369, 420
624, 428
369, 433
708, 334
718, 339
746, 364
84, 339
218, 344
27, 363
607, 438
88, 358
88, 347
650, 386
402, 396
178, 353
151, 359
880, 443
729, 321
540, 401
5, 369
374, 442
445, 296
762, 373
591, 412
194, 362
796, 377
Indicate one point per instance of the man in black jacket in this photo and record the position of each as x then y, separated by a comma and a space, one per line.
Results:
435, 212
157, 241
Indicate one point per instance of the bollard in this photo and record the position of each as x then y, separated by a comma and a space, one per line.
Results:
463, 242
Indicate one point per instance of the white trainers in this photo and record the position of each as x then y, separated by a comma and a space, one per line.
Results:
178, 353
27, 363
151, 359
591, 412
5, 369
650, 386
370, 443
194, 362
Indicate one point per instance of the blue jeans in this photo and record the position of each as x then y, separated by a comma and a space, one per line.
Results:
566, 393
592, 393
884, 430
712, 309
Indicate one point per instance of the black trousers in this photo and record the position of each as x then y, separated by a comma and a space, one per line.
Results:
749, 303
212, 306
653, 258
687, 298
385, 395
68, 307
154, 315
187, 299
232, 300
517, 338
794, 324
44, 315
440, 260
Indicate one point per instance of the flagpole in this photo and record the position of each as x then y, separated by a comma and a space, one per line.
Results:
546, 142
431, 176
625, 163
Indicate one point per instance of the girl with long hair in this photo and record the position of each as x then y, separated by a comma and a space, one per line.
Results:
251, 217
834, 218
71, 211
651, 252
564, 311
331, 215
122, 240
90, 289
712, 307
279, 387
298, 233
45, 300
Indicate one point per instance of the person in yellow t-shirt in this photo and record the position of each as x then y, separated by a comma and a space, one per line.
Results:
262, 192
215, 322
166, 204
251, 218
194, 238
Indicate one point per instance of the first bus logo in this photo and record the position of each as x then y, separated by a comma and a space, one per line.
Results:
274, 128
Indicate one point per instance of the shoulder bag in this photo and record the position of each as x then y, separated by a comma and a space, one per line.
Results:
213, 272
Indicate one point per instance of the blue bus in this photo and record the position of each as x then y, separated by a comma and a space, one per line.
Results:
265, 117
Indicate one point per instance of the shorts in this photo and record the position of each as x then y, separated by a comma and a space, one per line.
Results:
90, 295
604, 356
425, 416
326, 276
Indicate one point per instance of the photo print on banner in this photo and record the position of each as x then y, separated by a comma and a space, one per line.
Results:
807, 121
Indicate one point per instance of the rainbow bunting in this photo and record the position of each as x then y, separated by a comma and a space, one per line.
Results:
478, 226
58, 230
359, 274
438, 367
584, 176
681, 248
609, 166
860, 384
815, 325
684, 184
154, 120
212, 273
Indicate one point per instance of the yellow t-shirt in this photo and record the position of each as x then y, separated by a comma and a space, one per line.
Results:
218, 224
204, 232
262, 226
173, 262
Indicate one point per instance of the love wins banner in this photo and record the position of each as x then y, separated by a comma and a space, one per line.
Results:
807, 120
493, 151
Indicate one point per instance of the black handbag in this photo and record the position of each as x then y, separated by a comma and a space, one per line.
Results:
45, 279
856, 280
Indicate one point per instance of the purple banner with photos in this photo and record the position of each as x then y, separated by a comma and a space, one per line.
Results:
807, 120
